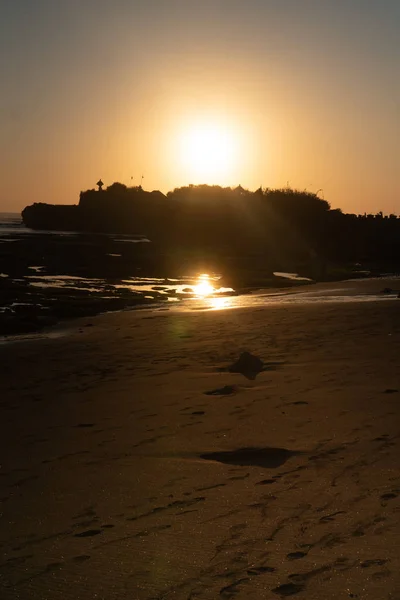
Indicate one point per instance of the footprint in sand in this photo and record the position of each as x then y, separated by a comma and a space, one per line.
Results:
81, 558
88, 533
331, 517
260, 570
210, 487
381, 438
377, 562
269, 458
381, 575
296, 555
231, 590
227, 390
288, 589
389, 496
239, 477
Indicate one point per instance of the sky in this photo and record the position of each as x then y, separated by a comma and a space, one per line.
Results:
303, 93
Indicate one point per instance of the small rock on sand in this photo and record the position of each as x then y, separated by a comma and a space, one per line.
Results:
248, 365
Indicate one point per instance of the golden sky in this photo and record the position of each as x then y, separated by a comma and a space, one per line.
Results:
263, 92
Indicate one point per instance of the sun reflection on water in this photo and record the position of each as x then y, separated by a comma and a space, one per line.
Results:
220, 303
203, 288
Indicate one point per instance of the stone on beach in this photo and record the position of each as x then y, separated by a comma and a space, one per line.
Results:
248, 365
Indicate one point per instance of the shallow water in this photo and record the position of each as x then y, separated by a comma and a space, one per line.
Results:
296, 296
291, 276
186, 286
203, 292
347, 293
193, 292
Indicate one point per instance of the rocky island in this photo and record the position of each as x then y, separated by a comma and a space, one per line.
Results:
242, 237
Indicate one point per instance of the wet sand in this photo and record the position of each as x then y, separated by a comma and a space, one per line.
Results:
136, 465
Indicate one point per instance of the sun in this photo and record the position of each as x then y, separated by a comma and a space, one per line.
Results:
209, 152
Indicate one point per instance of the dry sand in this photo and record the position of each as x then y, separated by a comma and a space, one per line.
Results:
135, 466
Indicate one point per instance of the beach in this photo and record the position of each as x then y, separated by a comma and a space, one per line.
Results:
137, 465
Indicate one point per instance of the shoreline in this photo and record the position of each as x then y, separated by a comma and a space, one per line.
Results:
351, 290
47, 279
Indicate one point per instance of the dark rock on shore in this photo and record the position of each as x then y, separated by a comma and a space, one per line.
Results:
248, 365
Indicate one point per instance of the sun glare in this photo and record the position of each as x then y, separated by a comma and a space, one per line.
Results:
209, 152
220, 303
203, 288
